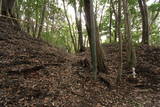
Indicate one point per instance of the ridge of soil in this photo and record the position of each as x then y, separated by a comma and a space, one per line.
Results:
36, 74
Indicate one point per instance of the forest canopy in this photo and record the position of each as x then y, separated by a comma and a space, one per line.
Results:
62, 23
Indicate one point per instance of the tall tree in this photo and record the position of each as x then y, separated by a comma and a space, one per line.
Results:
120, 40
145, 23
42, 18
70, 27
110, 21
113, 4
92, 32
79, 24
127, 29
131, 54
36, 20
28, 16
90, 21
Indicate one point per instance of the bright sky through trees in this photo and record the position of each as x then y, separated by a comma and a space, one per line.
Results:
151, 1
71, 14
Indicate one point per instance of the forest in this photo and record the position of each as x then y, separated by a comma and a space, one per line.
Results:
79, 53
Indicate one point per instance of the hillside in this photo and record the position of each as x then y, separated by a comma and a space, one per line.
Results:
36, 74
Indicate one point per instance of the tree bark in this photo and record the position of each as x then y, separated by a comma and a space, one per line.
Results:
116, 18
127, 30
79, 27
120, 42
88, 7
7, 6
70, 27
145, 23
99, 53
42, 19
36, 25
110, 22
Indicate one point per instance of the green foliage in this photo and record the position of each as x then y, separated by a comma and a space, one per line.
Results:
133, 2
154, 7
56, 30
60, 38
155, 38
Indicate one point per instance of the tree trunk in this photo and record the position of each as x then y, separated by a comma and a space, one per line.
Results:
79, 28
42, 18
28, 24
70, 27
120, 42
110, 22
81, 46
116, 18
127, 30
99, 52
88, 7
153, 19
28, 15
17, 9
36, 25
101, 16
145, 23
7, 6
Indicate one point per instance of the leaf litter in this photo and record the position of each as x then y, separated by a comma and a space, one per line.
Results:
36, 74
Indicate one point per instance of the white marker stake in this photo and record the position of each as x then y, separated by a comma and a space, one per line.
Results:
133, 72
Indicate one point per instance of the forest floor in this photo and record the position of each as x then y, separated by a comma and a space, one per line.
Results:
36, 74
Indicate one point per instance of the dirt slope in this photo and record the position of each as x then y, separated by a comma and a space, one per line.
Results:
147, 66
35, 74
